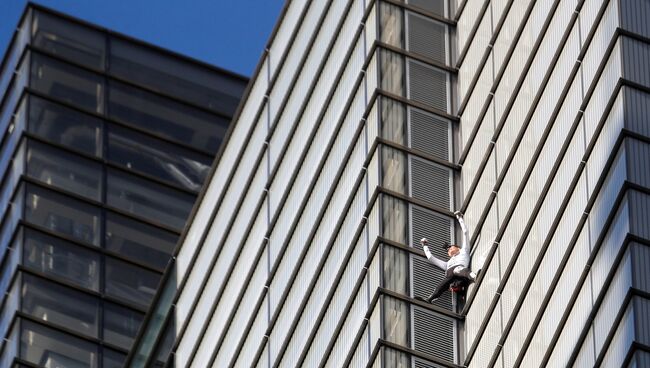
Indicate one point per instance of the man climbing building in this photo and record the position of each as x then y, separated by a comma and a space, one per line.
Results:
457, 268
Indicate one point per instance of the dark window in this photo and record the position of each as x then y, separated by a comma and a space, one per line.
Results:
65, 126
60, 305
130, 283
64, 170
68, 40
60, 259
62, 214
152, 156
166, 118
113, 359
139, 241
49, 348
147, 199
175, 77
67, 83
120, 325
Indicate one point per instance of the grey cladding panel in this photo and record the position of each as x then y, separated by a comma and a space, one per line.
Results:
639, 204
640, 269
636, 61
638, 161
426, 37
637, 111
635, 15
429, 134
427, 85
433, 334
642, 320
424, 279
436, 228
431, 183
434, 6
641, 359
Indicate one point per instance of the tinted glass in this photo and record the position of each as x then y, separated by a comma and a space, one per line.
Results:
175, 77
147, 199
113, 359
139, 241
12, 96
64, 170
130, 283
62, 214
60, 259
69, 40
46, 347
67, 83
12, 136
121, 325
65, 126
60, 305
166, 118
154, 157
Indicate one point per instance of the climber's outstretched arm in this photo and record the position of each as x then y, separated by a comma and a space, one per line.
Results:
436, 261
465, 247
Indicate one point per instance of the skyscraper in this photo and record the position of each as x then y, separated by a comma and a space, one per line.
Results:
106, 142
367, 123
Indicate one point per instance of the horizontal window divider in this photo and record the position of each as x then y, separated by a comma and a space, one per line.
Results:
25, 363
61, 282
424, 305
110, 77
94, 248
592, 257
406, 101
67, 331
417, 202
93, 202
109, 164
459, 10
472, 33
558, 217
416, 353
133, 40
634, 347
420, 11
418, 57
374, 353
117, 122
418, 153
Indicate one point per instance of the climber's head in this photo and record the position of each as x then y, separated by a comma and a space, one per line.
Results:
452, 249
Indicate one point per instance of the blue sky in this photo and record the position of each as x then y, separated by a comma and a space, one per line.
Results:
227, 33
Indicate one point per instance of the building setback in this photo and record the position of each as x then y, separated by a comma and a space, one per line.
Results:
367, 123
105, 145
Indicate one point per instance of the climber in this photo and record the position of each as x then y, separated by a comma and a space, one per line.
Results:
457, 268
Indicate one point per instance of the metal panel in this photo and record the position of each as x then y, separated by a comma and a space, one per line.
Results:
622, 340
636, 60
433, 6
640, 269
639, 214
431, 182
638, 156
637, 110
429, 133
433, 334
435, 227
426, 37
634, 16
641, 359
424, 279
427, 85
642, 318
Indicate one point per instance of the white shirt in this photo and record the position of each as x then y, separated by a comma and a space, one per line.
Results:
460, 259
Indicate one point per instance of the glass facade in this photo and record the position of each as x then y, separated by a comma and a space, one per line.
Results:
106, 145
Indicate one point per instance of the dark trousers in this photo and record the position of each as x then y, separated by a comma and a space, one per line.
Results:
455, 273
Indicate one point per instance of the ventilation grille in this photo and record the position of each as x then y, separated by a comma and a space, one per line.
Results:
425, 278
434, 6
436, 228
429, 134
426, 38
427, 85
419, 363
432, 334
430, 183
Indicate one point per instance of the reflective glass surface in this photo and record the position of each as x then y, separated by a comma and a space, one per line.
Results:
130, 283
64, 170
67, 83
62, 214
165, 117
147, 199
69, 40
120, 325
157, 158
60, 259
139, 241
49, 348
67, 127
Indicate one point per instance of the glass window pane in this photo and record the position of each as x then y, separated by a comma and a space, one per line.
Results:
390, 24
65, 126
63, 214
64, 170
60, 259
130, 283
166, 118
49, 348
391, 72
176, 77
67, 83
60, 305
139, 241
152, 156
14, 132
12, 95
147, 199
71, 41
113, 359
121, 325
